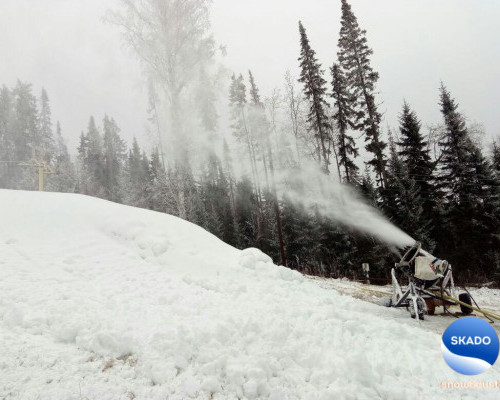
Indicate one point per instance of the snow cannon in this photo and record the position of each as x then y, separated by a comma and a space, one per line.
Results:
422, 282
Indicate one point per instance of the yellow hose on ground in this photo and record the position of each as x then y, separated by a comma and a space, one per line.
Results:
376, 291
484, 312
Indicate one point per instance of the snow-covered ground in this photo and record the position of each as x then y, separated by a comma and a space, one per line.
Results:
103, 301
488, 299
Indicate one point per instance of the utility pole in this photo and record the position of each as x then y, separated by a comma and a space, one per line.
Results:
40, 178
36, 161
366, 272
43, 169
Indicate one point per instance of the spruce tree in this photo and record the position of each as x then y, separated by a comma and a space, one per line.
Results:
495, 160
311, 76
241, 126
64, 179
26, 124
354, 59
261, 124
413, 146
215, 202
89, 159
206, 104
157, 181
331, 248
486, 191
455, 163
470, 196
114, 157
254, 91
414, 152
46, 141
228, 170
298, 228
367, 188
403, 200
259, 128
206, 100
7, 143
246, 205
62, 149
227, 165
344, 116
458, 220
94, 161
26, 138
135, 175
146, 181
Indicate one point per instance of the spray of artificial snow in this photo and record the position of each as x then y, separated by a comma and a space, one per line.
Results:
195, 82
337, 201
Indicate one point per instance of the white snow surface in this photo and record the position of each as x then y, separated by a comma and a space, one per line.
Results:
103, 301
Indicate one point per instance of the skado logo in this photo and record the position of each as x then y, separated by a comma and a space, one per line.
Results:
469, 340
470, 346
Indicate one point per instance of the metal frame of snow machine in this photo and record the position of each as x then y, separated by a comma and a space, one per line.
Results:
430, 284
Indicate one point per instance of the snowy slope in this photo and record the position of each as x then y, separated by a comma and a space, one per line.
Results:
103, 301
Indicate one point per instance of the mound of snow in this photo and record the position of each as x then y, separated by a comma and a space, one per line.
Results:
103, 301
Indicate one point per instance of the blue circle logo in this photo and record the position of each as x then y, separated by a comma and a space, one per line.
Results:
470, 346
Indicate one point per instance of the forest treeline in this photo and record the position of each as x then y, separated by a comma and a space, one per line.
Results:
440, 186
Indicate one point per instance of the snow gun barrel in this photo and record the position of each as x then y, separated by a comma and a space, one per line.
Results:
422, 265
414, 251
411, 254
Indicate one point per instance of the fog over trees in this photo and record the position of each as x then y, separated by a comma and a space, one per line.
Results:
290, 177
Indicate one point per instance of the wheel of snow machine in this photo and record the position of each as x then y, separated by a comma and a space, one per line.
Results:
431, 306
420, 307
465, 298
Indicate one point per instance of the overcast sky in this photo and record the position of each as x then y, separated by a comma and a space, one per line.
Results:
64, 46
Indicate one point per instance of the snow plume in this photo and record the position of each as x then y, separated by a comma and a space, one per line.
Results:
191, 111
339, 202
